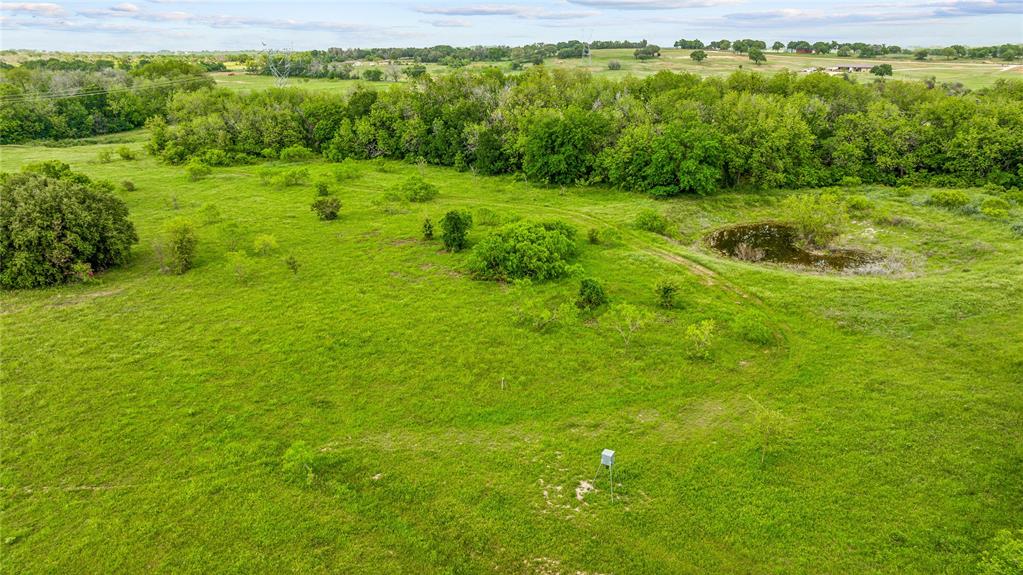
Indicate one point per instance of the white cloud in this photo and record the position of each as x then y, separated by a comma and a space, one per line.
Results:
45, 9
524, 12
652, 4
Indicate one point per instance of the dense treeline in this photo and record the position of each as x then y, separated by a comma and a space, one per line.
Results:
337, 62
861, 49
666, 134
53, 99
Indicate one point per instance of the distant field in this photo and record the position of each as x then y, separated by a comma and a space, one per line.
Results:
973, 74
242, 82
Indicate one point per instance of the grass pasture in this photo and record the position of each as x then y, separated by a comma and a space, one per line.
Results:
153, 422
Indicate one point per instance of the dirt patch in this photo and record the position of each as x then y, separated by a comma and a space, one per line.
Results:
583, 488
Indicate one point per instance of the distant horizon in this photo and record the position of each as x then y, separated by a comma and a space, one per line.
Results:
230, 26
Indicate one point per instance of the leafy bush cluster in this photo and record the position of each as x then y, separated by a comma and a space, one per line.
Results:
652, 221
416, 189
455, 230
949, 199
57, 225
819, 218
327, 207
665, 134
539, 251
176, 249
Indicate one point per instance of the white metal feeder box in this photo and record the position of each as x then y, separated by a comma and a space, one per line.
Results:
607, 457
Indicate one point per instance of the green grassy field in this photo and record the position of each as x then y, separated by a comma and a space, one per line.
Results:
146, 417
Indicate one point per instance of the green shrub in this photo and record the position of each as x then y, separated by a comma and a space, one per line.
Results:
216, 157
295, 153
614, 65
1017, 228
54, 222
486, 217
652, 221
427, 229
176, 250
264, 244
104, 156
523, 249
858, 203
416, 189
240, 265
346, 170
126, 153
753, 326
197, 169
818, 218
128, 186
1004, 555
995, 207
292, 262
626, 320
666, 291
455, 229
698, 339
850, 182
292, 177
591, 295
593, 236
322, 189
299, 463
949, 199
210, 214
1014, 197
327, 207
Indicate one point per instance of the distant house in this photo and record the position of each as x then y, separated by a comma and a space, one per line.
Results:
851, 68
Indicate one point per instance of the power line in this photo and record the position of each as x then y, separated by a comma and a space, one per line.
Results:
69, 93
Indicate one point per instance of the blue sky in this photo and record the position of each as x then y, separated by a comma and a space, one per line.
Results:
235, 25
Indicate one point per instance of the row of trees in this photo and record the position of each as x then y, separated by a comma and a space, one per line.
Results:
666, 134
44, 103
861, 49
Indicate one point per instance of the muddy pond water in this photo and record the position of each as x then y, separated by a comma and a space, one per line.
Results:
778, 243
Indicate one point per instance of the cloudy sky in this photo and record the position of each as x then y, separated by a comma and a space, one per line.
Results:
237, 25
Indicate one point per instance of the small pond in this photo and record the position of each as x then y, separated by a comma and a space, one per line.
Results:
778, 243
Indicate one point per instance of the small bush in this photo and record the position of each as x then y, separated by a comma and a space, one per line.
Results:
949, 199
177, 248
295, 153
104, 156
197, 169
427, 229
626, 319
652, 221
322, 189
210, 214
126, 153
416, 189
264, 244
299, 463
610, 236
292, 262
524, 250
666, 291
699, 338
858, 203
614, 65
292, 177
819, 218
216, 157
455, 229
240, 265
128, 186
346, 170
327, 208
1017, 228
591, 295
486, 217
752, 326
1014, 197
850, 182
995, 207
593, 236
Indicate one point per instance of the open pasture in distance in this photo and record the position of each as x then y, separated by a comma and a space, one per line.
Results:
973, 74
380, 411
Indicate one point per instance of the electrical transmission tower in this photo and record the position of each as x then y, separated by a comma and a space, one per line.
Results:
279, 62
